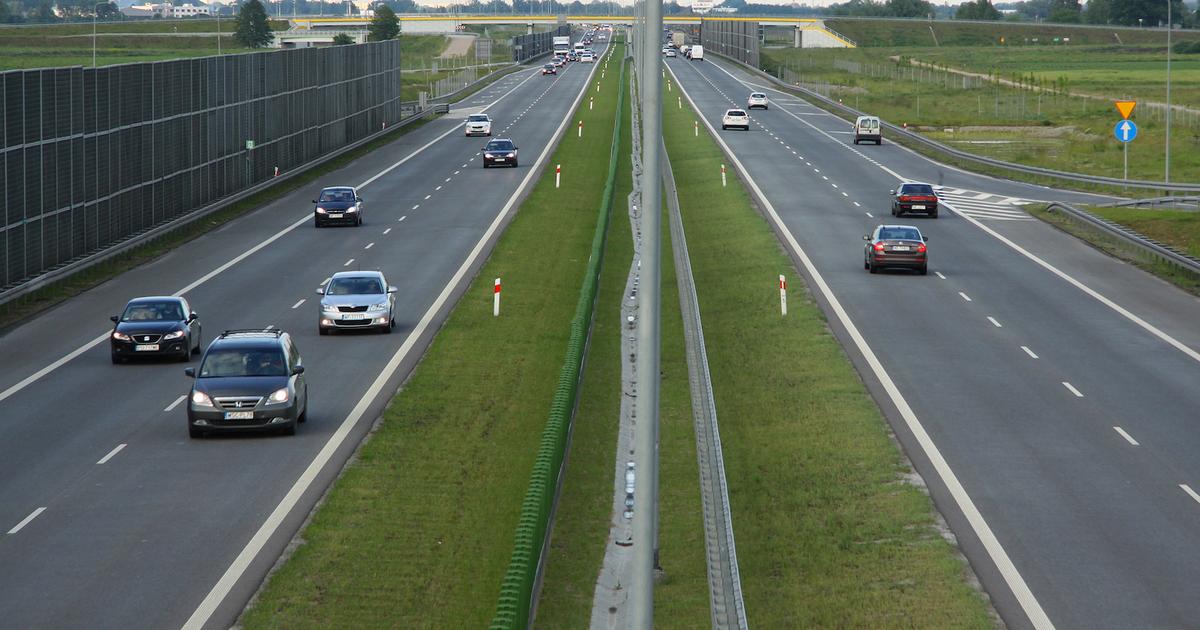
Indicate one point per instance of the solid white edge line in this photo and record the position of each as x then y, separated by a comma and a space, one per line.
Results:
1004, 565
111, 454
32, 378
1071, 388
227, 581
1186, 488
1029, 352
1128, 438
25, 522
173, 405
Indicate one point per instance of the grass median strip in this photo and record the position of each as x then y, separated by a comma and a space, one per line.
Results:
829, 532
418, 530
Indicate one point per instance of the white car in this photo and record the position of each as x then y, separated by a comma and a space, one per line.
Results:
757, 99
735, 118
478, 125
671, 53
587, 57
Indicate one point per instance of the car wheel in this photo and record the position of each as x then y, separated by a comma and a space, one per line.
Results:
893, 210
485, 164
290, 429
195, 433
514, 164
924, 270
117, 360
303, 417
872, 267
933, 215
318, 223
878, 142
359, 222
321, 330
866, 265
723, 127
856, 141
199, 342
186, 355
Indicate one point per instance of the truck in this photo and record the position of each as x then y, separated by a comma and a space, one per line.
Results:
678, 38
562, 44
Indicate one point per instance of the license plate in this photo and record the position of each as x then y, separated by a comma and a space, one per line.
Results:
918, 207
335, 216
355, 316
239, 415
147, 347
900, 248
498, 159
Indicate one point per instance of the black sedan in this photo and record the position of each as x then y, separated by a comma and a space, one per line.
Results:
914, 197
549, 69
155, 326
500, 152
338, 204
900, 246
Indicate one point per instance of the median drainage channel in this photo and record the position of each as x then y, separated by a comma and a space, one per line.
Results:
834, 527
419, 529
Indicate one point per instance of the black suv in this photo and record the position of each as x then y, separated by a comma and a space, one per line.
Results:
248, 380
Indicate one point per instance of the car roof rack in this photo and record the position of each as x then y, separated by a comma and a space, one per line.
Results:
275, 332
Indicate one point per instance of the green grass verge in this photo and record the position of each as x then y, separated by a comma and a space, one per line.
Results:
1176, 228
829, 533
868, 33
418, 530
581, 524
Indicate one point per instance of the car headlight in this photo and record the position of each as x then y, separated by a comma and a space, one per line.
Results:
328, 308
352, 209
379, 307
320, 210
120, 336
280, 395
511, 155
200, 399
173, 335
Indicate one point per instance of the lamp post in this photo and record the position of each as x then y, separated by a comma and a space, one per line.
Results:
1167, 172
217, 8
95, 10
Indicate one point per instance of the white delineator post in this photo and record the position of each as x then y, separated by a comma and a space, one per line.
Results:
782, 294
590, 102
696, 128
679, 101
723, 179
581, 129
496, 299
557, 174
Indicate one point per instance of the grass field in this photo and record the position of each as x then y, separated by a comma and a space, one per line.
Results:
418, 530
890, 33
1050, 129
829, 532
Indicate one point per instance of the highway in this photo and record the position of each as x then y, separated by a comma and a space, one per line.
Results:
110, 516
1046, 392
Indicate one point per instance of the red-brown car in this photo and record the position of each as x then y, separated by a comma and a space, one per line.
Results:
900, 246
914, 197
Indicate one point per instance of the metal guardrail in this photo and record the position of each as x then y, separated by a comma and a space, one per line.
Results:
1130, 240
1178, 202
971, 157
728, 608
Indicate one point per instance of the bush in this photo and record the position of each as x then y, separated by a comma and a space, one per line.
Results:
1186, 48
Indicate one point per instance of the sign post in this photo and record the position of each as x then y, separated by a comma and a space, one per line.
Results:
1125, 130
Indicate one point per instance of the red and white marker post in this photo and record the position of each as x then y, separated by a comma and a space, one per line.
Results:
496, 299
557, 174
276, 171
782, 294
722, 176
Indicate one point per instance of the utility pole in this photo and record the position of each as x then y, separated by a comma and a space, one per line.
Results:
1167, 174
645, 515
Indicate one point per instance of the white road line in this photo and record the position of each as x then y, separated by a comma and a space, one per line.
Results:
32, 378
26, 521
448, 179
1128, 438
832, 184
176, 402
994, 322
1071, 387
965, 296
1004, 565
235, 571
870, 215
297, 304
428, 196
844, 194
456, 173
1029, 352
939, 274
387, 230
269, 327
856, 204
348, 263
369, 245
104, 460
402, 218
1186, 488
435, 189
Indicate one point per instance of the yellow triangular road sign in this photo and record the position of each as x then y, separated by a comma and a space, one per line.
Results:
1125, 107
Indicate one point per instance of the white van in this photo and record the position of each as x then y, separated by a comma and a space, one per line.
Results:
696, 53
868, 129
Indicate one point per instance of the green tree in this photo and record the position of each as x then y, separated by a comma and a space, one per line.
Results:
1151, 12
909, 8
253, 31
977, 10
342, 39
1098, 12
1066, 12
44, 13
385, 25
108, 11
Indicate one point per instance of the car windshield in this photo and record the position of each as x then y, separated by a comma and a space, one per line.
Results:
337, 194
243, 362
499, 145
736, 112
354, 286
758, 95
916, 189
153, 312
899, 234
477, 118
549, 65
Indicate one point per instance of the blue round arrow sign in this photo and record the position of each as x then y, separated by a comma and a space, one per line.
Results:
1125, 130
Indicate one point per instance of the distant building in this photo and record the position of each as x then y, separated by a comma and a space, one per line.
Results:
188, 10
165, 10
700, 7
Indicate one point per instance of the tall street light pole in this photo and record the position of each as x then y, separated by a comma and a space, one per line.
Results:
1167, 173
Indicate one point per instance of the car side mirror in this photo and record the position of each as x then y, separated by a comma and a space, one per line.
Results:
359, 199
925, 239
315, 201
891, 192
516, 148
299, 369
320, 291
391, 289
191, 372
193, 316
115, 318
866, 238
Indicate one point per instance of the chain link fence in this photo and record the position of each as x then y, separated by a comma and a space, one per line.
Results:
94, 156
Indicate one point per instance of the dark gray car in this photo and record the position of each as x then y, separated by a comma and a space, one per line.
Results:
338, 205
155, 326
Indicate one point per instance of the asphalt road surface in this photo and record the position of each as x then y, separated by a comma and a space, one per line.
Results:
110, 516
1046, 392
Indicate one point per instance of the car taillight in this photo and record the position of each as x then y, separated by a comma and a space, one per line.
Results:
921, 248
878, 247
905, 198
